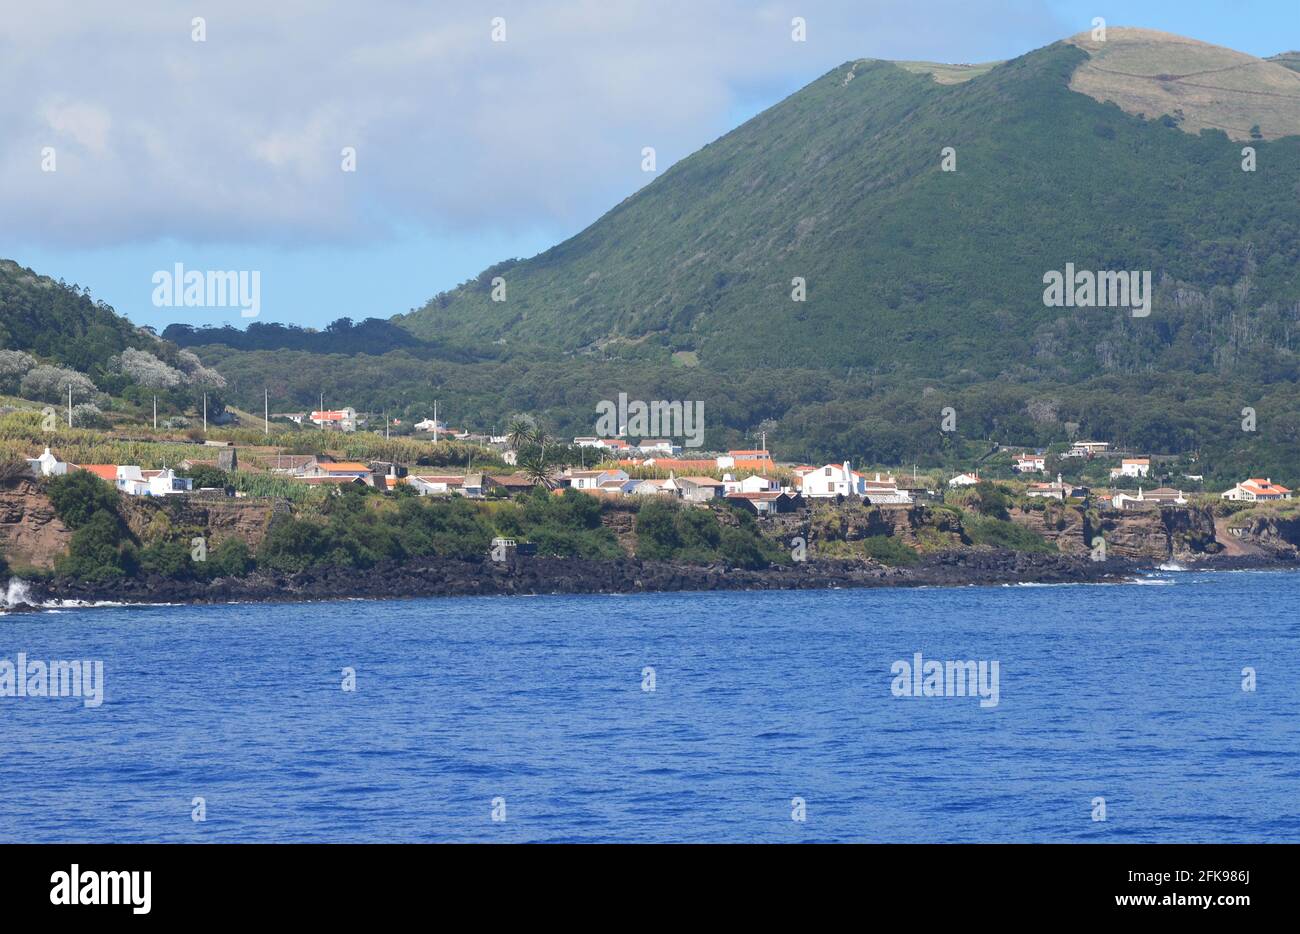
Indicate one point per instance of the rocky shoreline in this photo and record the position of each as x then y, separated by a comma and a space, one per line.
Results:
434, 577
438, 577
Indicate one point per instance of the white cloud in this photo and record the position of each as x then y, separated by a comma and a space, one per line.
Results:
238, 138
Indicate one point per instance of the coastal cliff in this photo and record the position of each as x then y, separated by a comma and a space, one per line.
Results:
829, 545
445, 577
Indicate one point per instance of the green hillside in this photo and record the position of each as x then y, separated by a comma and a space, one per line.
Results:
911, 267
60, 323
53, 335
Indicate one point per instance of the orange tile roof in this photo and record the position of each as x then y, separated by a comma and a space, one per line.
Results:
103, 471
341, 466
1267, 487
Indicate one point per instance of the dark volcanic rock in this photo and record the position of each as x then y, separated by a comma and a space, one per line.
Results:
438, 577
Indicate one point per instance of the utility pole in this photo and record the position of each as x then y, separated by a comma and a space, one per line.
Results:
435, 421
266, 411
155, 413
69, 405
385, 424
205, 413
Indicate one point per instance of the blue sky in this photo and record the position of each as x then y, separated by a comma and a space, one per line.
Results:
225, 153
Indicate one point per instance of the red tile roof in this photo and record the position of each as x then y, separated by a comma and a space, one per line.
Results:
103, 471
1264, 487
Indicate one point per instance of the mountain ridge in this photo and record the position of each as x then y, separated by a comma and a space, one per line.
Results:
841, 184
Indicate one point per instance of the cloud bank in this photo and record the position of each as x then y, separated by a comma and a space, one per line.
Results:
240, 137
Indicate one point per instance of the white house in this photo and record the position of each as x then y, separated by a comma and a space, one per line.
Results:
885, 492
594, 479
751, 484
1163, 496
47, 465
130, 480
1256, 490
1132, 467
964, 479
1031, 463
654, 488
165, 482
1057, 489
1087, 449
435, 484
833, 480
429, 424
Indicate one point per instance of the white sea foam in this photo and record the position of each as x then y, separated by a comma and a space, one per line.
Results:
18, 593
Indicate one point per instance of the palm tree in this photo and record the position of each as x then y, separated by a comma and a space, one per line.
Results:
536, 468
521, 431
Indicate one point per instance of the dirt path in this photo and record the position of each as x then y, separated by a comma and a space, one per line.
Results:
1233, 546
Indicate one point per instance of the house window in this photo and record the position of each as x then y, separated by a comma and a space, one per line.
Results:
828, 471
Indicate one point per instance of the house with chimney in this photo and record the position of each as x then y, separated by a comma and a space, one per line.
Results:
47, 465
831, 480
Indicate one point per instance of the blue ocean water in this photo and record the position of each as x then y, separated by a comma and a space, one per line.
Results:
1132, 693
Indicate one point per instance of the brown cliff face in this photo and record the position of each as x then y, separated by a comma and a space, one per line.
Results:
30, 532
1160, 534
920, 526
620, 519
219, 518
1057, 523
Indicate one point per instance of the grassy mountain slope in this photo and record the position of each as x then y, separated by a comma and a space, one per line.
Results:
1205, 86
911, 268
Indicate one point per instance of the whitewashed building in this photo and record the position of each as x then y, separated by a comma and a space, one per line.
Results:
885, 492
751, 484
47, 465
1031, 463
832, 480
1136, 467
1257, 491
